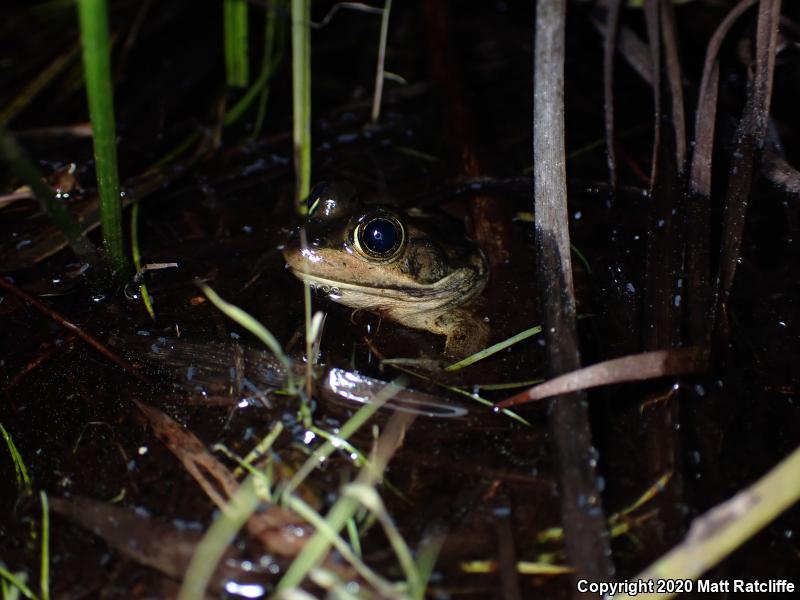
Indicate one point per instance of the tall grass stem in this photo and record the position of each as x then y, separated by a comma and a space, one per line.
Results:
235, 31
301, 94
93, 17
268, 63
44, 572
376, 98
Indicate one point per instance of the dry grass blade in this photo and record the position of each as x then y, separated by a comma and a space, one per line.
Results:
636, 54
638, 367
215, 479
749, 141
275, 527
653, 21
699, 210
672, 63
631, 48
705, 116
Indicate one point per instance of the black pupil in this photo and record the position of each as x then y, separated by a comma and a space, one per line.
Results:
380, 236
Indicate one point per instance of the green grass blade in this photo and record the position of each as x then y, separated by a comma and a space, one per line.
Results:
301, 94
17, 581
321, 525
427, 554
137, 260
343, 509
582, 258
510, 385
269, 62
44, 574
254, 327
235, 31
368, 497
473, 358
724, 528
352, 425
93, 17
467, 394
217, 538
260, 449
20, 470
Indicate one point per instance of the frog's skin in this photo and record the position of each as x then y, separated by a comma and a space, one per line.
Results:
419, 278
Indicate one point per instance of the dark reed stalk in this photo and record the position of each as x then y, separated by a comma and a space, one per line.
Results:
586, 537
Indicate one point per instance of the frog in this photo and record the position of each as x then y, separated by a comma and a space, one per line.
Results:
410, 268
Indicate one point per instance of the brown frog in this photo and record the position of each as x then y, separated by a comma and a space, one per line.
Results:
416, 271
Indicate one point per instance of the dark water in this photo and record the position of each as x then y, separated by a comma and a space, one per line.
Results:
486, 481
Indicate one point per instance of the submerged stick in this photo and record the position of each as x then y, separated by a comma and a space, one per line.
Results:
71, 327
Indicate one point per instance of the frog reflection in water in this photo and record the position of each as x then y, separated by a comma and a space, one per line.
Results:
410, 270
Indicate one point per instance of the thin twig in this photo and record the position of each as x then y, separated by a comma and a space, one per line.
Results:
71, 327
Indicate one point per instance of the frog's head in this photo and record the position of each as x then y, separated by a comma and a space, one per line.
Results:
373, 257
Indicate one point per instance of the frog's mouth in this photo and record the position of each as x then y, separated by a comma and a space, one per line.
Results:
456, 288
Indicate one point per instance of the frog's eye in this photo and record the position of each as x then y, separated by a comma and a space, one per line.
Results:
380, 237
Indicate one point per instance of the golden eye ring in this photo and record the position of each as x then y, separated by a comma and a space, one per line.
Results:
379, 236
